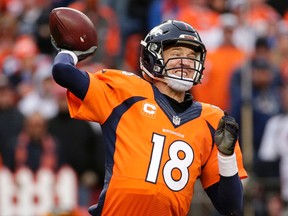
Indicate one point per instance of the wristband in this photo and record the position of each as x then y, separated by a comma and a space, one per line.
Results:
227, 165
72, 54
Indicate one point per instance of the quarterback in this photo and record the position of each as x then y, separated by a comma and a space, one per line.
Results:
159, 141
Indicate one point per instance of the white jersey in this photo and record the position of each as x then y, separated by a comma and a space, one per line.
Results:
274, 146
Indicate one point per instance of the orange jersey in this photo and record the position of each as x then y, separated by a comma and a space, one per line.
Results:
215, 88
153, 154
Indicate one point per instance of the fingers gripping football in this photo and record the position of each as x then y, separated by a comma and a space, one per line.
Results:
84, 54
81, 55
226, 135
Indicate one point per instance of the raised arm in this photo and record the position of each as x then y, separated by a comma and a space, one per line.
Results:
68, 76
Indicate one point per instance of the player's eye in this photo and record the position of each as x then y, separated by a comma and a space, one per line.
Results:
175, 54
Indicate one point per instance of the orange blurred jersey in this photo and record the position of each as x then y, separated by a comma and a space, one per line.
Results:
215, 88
154, 155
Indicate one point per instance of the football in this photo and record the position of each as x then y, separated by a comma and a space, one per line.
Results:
71, 29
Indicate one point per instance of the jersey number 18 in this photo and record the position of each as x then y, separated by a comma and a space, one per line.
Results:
174, 162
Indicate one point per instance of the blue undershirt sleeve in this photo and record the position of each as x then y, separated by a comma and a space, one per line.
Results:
227, 195
68, 76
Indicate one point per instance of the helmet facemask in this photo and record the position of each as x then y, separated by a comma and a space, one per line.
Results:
181, 82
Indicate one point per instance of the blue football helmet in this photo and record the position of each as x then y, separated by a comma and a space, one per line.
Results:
170, 33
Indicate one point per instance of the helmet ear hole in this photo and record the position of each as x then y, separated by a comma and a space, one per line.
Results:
148, 59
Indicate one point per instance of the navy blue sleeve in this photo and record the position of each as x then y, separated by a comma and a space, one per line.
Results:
227, 195
68, 76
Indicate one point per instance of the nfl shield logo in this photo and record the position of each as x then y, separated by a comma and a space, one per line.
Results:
176, 120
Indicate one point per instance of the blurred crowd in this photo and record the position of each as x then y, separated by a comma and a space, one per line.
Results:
246, 74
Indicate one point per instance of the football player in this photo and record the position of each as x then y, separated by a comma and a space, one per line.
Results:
159, 141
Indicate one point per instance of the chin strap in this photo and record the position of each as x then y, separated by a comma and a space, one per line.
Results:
179, 85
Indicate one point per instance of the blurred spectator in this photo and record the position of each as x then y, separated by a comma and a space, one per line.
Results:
161, 10
137, 13
206, 26
256, 84
42, 31
61, 3
31, 17
106, 23
265, 101
220, 6
253, 22
254, 94
279, 5
132, 54
41, 97
35, 147
220, 64
8, 32
80, 149
262, 16
244, 36
274, 144
28, 13
11, 120
263, 49
28, 71
280, 53
20, 66
275, 205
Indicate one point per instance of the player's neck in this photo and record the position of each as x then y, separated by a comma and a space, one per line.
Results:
180, 107
166, 90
